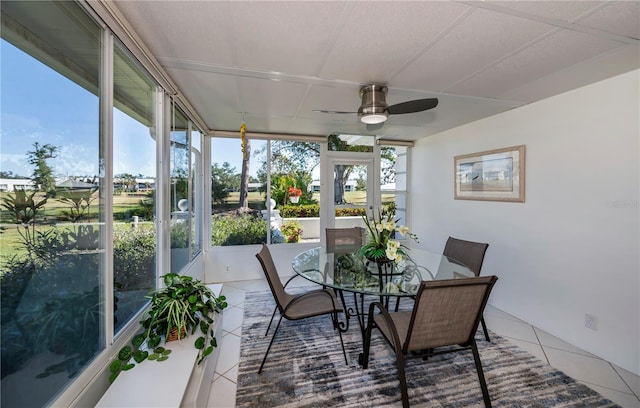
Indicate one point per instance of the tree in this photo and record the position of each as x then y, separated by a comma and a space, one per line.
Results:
10, 175
244, 178
128, 181
42, 175
222, 181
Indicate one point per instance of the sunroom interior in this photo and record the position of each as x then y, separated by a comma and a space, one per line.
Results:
157, 105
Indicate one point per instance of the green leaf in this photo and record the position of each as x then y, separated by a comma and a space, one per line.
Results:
113, 377
204, 326
153, 341
163, 358
139, 355
159, 350
166, 352
207, 351
214, 342
115, 366
153, 356
128, 367
193, 299
125, 353
138, 340
199, 343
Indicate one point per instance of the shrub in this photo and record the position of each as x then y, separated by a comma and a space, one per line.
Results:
349, 212
134, 257
292, 231
180, 235
238, 230
300, 211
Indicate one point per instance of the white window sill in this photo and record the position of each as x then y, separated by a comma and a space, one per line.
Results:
175, 382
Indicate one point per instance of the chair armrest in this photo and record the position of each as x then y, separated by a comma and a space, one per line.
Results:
395, 340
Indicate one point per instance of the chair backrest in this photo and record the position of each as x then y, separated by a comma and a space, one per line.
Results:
469, 253
271, 273
344, 239
447, 312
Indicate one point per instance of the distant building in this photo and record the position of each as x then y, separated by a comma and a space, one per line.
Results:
16, 184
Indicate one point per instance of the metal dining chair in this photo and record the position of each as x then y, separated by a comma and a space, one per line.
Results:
446, 314
471, 254
344, 240
299, 306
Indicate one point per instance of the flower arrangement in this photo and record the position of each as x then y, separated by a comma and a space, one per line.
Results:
294, 192
381, 245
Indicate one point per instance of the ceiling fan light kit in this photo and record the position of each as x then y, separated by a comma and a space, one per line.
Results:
373, 109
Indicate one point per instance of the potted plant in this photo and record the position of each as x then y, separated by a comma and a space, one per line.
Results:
294, 194
183, 307
292, 230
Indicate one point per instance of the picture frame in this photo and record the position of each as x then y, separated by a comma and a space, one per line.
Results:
493, 175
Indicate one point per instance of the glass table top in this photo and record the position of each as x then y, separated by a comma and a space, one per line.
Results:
351, 272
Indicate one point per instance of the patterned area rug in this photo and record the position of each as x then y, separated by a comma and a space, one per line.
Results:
306, 368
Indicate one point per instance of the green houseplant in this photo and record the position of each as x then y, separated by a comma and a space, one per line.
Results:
183, 307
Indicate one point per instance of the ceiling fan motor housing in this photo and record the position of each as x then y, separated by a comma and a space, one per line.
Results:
374, 102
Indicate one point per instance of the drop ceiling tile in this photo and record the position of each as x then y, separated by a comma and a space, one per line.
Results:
283, 36
555, 52
266, 97
561, 10
618, 17
481, 39
344, 98
210, 94
596, 69
186, 30
381, 37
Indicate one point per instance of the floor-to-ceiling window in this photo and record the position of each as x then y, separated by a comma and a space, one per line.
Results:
186, 200
79, 243
264, 191
52, 323
135, 240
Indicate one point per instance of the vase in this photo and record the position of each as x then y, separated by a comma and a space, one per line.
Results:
294, 199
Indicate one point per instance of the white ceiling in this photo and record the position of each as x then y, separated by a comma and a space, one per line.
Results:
271, 64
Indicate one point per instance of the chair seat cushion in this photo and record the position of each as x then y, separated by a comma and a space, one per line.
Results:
313, 303
400, 320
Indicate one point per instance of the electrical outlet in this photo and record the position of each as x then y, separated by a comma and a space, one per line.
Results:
590, 321
227, 268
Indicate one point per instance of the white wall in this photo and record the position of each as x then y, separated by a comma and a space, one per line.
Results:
233, 263
573, 246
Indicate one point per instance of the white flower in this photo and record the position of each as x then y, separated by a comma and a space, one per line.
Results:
379, 226
388, 225
390, 252
393, 244
403, 229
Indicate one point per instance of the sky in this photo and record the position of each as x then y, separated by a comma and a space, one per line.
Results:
39, 105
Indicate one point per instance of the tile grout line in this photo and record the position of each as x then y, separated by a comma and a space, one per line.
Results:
623, 380
540, 344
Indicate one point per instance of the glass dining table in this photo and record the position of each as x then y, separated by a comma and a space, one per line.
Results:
348, 271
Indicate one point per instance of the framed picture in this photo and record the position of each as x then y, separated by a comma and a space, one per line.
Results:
495, 175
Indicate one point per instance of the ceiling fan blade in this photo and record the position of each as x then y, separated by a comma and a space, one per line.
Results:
332, 111
417, 105
375, 127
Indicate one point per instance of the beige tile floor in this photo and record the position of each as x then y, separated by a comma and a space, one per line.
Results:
615, 383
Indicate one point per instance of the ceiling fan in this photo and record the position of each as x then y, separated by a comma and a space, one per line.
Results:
374, 110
